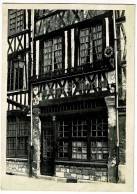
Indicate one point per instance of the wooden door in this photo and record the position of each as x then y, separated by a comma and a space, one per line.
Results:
47, 149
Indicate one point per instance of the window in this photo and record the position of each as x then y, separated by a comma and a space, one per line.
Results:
15, 77
17, 137
52, 55
83, 138
16, 21
91, 44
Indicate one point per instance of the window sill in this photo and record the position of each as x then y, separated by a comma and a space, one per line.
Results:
17, 159
82, 163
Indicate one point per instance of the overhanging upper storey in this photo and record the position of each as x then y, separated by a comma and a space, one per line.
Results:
69, 42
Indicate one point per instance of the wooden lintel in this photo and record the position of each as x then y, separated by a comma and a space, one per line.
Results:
92, 96
71, 112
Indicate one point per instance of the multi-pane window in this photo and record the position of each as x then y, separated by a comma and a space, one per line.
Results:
15, 77
79, 128
17, 137
52, 55
83, 138
90, 44
79, 150
85, 46
63, 129
63, 149
99, 150
16, 21
63, 133
98, 127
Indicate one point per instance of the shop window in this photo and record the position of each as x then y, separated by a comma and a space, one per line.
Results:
63, 149
79, 128
16, 21
99, 150
17, 137
79, 150
52, 55
83, 138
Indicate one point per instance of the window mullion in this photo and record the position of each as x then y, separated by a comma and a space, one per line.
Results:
88, 138
69, 139
53, 55
17, 128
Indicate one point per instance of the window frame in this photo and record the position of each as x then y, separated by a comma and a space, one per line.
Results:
17, 18
41, 54
88, 139
17, 125
77, 36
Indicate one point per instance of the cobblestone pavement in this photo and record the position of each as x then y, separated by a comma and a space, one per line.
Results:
14, 182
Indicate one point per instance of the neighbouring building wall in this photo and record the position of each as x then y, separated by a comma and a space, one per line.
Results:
122, 63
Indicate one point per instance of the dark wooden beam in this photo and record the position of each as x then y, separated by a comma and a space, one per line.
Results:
16, 104
18, 34
121, 19
93, 96
79, 24
71, 112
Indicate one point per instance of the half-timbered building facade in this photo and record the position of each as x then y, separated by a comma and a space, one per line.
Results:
67, 94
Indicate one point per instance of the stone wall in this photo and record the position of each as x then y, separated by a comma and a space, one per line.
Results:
82, 173
15, 166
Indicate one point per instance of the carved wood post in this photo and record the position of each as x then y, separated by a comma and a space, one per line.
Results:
112, 139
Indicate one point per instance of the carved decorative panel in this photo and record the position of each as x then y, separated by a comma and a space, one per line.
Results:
86, 84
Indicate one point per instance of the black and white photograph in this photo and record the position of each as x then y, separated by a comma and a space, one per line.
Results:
67, 84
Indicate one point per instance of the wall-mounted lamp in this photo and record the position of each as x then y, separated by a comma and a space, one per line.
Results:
19, 63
